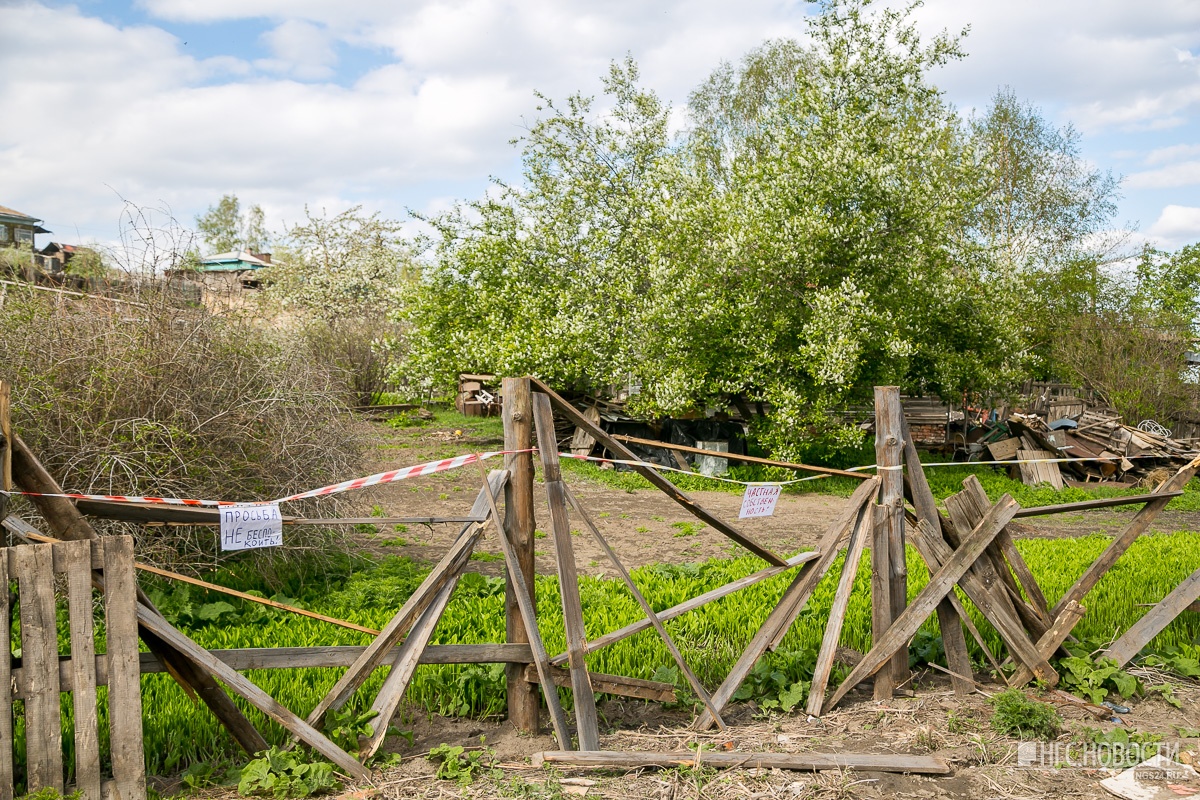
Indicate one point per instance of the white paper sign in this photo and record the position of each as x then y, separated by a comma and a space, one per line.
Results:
245, 527
759, 501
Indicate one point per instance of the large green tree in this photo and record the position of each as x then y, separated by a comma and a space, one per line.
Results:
224, 228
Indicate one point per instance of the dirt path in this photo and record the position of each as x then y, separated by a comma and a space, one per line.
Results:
644, 526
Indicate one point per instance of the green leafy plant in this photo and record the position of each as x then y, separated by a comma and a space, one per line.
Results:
1120, 748
284, 774
1093, 679
457, 763
345, 726
686, 528
777, 684
1017, 715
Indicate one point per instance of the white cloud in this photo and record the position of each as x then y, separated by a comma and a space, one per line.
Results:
1177, 225
1183, 173
1165, 155
300, 49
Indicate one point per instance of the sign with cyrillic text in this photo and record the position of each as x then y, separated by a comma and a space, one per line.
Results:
759, 501
246, 527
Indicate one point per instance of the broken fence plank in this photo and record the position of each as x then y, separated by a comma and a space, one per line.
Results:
124, 684
78, 556
586, 721
869, 762
611, 684
1141, 632
793, 600
655, 477
33, 567
1088, 505
906, 625
692, 680
6, 684
1051, 640
692, 604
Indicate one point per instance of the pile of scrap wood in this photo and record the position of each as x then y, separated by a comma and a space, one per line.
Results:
1112, 450
478, 396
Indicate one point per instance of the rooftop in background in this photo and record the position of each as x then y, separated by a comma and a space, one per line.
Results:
13, 217
235, 261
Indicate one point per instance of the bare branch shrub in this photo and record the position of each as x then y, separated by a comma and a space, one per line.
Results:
158, 397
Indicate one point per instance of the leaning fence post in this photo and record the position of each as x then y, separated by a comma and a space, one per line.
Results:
519, 523
889, 449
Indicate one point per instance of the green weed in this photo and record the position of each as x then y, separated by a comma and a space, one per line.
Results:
1017, 715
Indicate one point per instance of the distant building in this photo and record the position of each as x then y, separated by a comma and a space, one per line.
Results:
56, 256
232, 271
17, 229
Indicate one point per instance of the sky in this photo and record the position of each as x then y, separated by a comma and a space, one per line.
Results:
412, 104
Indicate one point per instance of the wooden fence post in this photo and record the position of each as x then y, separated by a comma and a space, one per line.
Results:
889, 449
519, 526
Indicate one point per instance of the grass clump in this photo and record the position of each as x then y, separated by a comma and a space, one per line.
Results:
1017, 715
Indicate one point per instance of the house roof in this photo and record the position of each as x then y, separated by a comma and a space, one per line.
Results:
232, 262
12, 216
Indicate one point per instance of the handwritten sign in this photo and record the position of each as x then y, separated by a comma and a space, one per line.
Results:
246, 527
759, 501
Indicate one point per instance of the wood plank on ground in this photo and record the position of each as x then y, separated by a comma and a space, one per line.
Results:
869, 762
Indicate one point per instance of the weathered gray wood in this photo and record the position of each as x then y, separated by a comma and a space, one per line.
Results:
611, 684
1088, 505
691, 605
935, 550
692, 680
889, 449
881, 596
949, 621
1137, 526
33, 567
1051, 640
403, 668
124, 684
837, 612
519, 527
6, 474
251, 693
526, 601
1005, 556
399, 624
793, 600
965, 514
78, 556
66, 522
655, 477
939, 584
868, 762
586, 721
1141, 632
6, 699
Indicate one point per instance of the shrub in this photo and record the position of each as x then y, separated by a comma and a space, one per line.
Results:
151, 396
1017, 715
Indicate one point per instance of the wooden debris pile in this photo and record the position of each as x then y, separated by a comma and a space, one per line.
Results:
478, 396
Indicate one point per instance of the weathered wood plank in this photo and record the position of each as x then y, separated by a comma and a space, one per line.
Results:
1141, 632
66, 522
250, 692
869, 762
611, 684
1088, 505
881, 596
939, 584
586, 721
767, 462
6, 681
692, 680
793, 600
403, 668
398, 625
691, 605
889, 448
124, 684
949, 621
1051, 640
33, 567
863, 526
1137, 526
523, 593
78, 556
655, 477
519, 527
